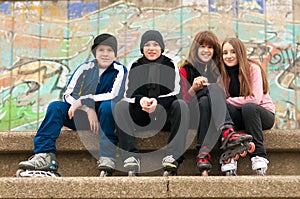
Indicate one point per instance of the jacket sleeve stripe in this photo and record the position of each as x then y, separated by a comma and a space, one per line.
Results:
176, 86
127, 99
74, 82
116, 87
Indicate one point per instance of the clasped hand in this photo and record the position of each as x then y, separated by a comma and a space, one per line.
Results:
148, 104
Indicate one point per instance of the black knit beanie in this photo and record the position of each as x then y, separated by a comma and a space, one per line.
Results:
105, 39
152, 35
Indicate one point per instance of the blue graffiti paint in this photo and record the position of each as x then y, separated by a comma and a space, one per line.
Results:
78, 9
5, 8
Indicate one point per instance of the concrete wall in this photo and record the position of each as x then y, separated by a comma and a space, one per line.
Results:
42, 42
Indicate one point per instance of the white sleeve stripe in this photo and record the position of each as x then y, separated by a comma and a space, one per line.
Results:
176, 86
129, 100
73, 82
116, 87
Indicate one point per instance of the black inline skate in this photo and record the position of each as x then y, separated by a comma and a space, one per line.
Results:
203, 163
132, 166
235, 144
170, 166
106, 166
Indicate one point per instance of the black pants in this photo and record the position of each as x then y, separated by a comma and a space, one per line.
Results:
212, 115
131, 119
253, 118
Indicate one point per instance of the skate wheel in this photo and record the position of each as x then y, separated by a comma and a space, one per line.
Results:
236, 157
102, 173
18, 173
260, 172
244, 153
252, 147
205, 173
131, 173
230, 173
166, 173
227, 161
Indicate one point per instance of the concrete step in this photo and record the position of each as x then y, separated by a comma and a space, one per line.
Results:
77, 153
152, 187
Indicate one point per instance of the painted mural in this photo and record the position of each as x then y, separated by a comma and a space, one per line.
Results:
42, 42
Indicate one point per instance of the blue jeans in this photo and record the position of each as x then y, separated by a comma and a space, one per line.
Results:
57, 117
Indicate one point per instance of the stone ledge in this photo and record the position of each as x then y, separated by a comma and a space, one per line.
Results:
152, 187
275, 140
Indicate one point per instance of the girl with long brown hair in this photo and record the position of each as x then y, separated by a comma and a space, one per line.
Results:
249, 104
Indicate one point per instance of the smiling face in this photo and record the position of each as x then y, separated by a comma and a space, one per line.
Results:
105, 56
152, 50
229, 55
205, 52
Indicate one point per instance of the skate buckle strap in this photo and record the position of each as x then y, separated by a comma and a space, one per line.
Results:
132, 162
203, 155
227, 132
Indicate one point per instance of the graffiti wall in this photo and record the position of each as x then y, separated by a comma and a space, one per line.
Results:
42, 42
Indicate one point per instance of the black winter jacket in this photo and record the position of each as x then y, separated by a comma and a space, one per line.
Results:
158, 79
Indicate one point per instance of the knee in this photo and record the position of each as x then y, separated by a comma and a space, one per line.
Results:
106, 108
204, 102
248, 108
55, 106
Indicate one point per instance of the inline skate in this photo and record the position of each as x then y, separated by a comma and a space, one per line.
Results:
39, 165
203, 163
260, 165
170, 166
132, 166
235, 145
106, 166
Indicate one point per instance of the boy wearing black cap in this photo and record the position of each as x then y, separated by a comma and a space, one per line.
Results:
90, 96
151, 102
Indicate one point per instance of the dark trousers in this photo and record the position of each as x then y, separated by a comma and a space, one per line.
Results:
131, 120
253, 118
212, 115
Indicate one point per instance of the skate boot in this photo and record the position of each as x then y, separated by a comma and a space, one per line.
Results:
106, 166
230, 168
132, 166
39, 165
235, 144
203, 163
260, 165
170, 166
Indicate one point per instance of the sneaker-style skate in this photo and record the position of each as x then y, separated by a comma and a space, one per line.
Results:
203, 163
132, 166
39, 165
230, 169
170, 166
260, 165
106, 166
235, 144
